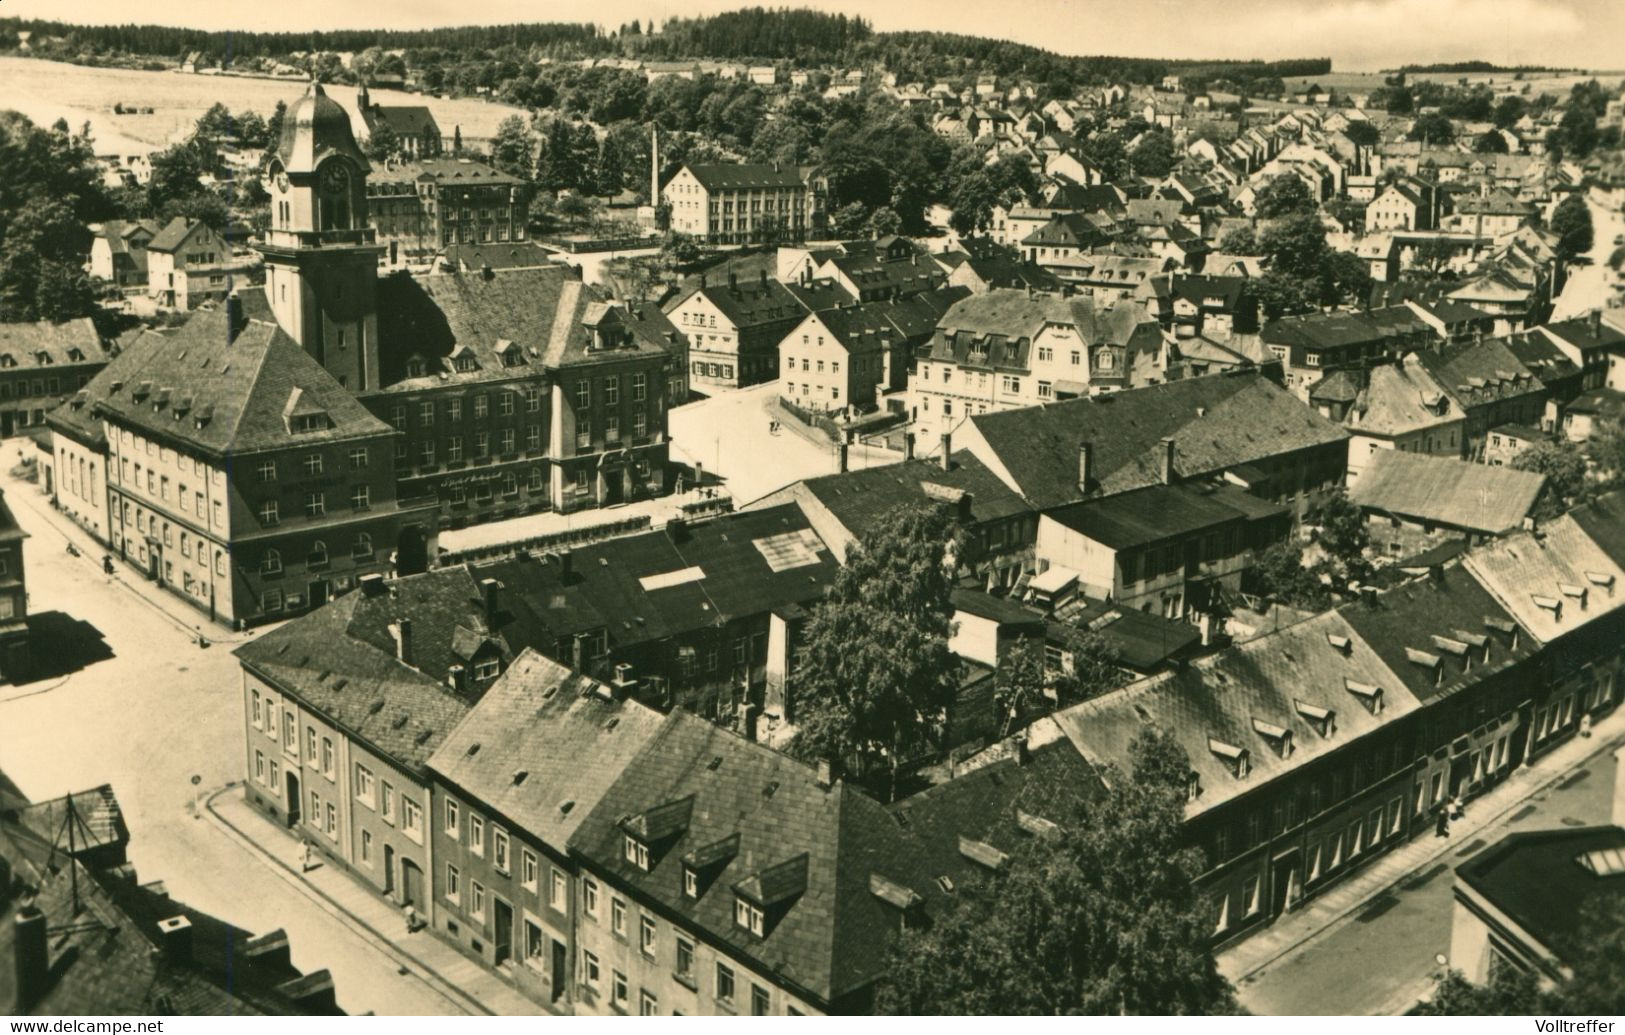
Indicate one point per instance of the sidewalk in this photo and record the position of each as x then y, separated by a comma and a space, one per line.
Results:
187, 619
1326, 911
466, 985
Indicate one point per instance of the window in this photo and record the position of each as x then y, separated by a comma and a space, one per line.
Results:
685, 958
527, 869
583, 394
637, 853
318, 555
310, 745
533, 399
482, 407
360, 497
646, 937
332, 821
364, 785
589, 970
259, 766
555, 892
453, 884
426, 414
1354, 839
327, 756
453, 830
589, 896
476, 834
386, 801
1249, 894
358, 458
617, 989
533, 437
725, 983
482, 445
267, 470
617, 916
761, 1001
366, 847
256, 693
411, 818
648, 1006
476, 899
268, 513
505, 404
312, 463
315, 504
499, 848
638, 388
748, 916
454, 449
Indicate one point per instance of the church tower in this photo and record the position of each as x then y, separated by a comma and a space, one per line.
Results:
321, 256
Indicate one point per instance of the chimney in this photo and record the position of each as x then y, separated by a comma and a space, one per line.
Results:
457, 678
372, 584
908, 445
826, 773
654, 166
575, 654
492, 590
1167, 461
702, 280
733, 280
841, 458
175, 938
234, 316
1595, 320
401, 629
764, 280
566, 565
33, 957
947, 451
1086, 466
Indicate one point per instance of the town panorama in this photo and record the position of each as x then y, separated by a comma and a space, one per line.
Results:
759, 513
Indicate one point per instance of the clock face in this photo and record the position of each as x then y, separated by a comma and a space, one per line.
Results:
281, 182
335, 179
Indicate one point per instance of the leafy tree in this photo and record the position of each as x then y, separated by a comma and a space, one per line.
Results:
1571, 222
1490, 142
1432, 129
884, 221
1346, 210
560, 167
575, 208
273, 125
851, 220
875, 674
1283, 195
1093, 669
1345, 277
511, 147
1020, 682
176, 174
1154, 156
1278, 572
1105, 149
1295, 245
1598, 984
384, 143
1240, 241
1343, 532
1100, 918
216, 123
1563, 464
1606, 448
1508, 110
1511, 993
1280, 295
49, 191
1363, 133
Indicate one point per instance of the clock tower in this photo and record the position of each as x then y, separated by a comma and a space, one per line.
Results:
321, 256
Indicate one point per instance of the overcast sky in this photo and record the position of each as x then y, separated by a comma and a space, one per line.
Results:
1359, 35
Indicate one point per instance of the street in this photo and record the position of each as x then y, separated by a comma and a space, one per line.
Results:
728, 433
1586, 288
1380, 960
158, 718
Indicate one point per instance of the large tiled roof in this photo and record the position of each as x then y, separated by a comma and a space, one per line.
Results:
45, 344
650, 586
1217, 423
830, 932
1154, 514
1446, 491
1535, 878
1553, 580
1334, 330
1007, 322
862, 499
1479, 373
1399, 398
407, 120
750, 305
543, 745
1603, 521
1287, 680
1447, 615
341, 661
732, 176
1584, 336
218, 394
448, 172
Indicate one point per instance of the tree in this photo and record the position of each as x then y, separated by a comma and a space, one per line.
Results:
1154, 156
1432, 129
1606, 448
1510, 993
851, 220
1105, 149
1091, 668
575, 208
1363, 133
1345, 277
49, 190
511, 148
1240, 241
1563, 465
1343, 532
1283, 195
884, 221
384, 143
176, 174
1278, 572
560, 168
1571, 222
1101, 917
1020, 682
1295, 245
875, 674
273, 125
1598, 984
1490, 142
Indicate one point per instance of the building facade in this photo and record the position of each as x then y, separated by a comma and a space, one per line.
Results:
740, 203
419, 207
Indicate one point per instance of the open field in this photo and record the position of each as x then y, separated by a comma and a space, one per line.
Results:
1538, 82
48, 90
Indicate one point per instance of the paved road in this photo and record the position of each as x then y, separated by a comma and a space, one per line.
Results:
1381, 959
728, 433
1586, 288
152, 714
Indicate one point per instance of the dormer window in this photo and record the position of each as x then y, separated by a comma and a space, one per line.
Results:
1279, 737
466, 363
691, 883
1552, 604
748, 916
1323, 720
982, 853
1193, 786
1369, 694
1597, 578
1236, 758
637, 853
1574, 592
1342, 644
1455, 648
414, 366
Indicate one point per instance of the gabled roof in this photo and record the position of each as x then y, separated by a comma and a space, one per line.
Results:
743, 176
1446, 491
1539, 577
1479, 373
861, 500
46, 344
1291, 680
1003, 323
220, 395
1217, 423
407, 120
543, 745
806, 852
174, 234
1398, 398
1537, 880
1155, 514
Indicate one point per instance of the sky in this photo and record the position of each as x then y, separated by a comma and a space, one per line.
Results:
1358, 35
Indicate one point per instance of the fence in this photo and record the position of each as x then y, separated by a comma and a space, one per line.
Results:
551, 541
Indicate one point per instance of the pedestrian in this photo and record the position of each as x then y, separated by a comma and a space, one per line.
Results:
1441, 823
306, 863
411, 914
1585, 725
1457, 806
